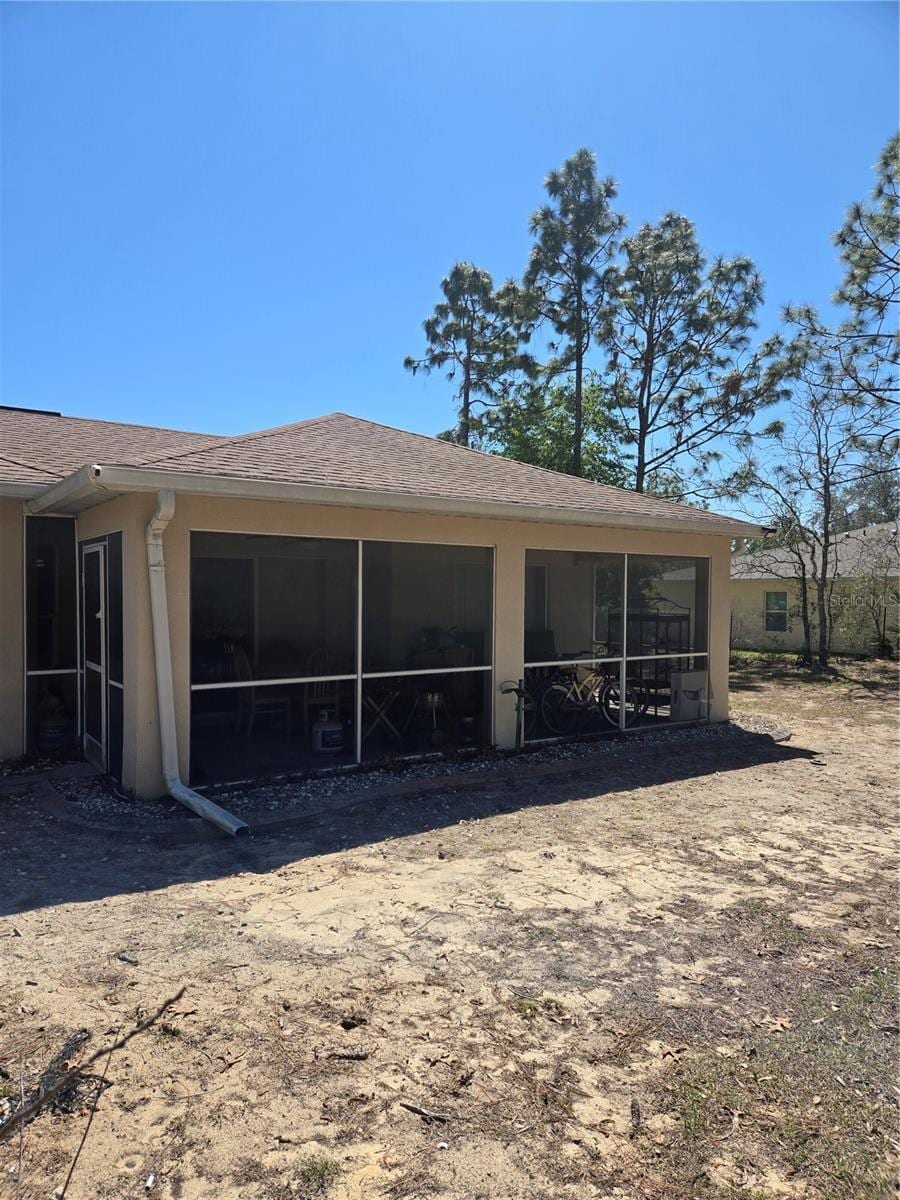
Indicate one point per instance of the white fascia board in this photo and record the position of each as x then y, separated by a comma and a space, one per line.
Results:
68, 494
94, 484
10, 489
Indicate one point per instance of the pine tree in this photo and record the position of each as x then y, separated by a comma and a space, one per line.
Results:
478, 335
570, 271
681, 372
867, 343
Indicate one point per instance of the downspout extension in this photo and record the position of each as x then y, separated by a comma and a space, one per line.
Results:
165, 692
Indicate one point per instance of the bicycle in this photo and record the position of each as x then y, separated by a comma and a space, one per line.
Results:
577, 696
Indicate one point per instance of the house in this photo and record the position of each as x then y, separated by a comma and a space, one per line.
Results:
190, 609
863, 593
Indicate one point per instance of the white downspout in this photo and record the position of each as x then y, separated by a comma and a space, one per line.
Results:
165, 692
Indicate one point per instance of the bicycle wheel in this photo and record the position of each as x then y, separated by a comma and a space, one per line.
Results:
642, 696
611, 703
559, 710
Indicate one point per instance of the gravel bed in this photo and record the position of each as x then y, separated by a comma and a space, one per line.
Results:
313, 793
35, 765
95, 798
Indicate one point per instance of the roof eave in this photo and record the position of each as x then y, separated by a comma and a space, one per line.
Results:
15, 490
95, 484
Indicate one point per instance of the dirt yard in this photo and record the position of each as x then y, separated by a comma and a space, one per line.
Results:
666, 976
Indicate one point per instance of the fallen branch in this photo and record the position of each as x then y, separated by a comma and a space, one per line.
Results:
426, 1113
419, 928
87, 1128
24, 1114
21, 1132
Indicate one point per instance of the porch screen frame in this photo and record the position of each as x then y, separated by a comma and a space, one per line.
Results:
624, 658
359, 676
53, 672
114, 567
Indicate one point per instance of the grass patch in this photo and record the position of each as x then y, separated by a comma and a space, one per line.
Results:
771, 926
164, 1030
745, 658
812, 1101
315, 1176
193, 935
529, 1007
30, 898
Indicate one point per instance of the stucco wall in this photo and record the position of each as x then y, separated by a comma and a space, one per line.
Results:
853, 630
508, 538
12, 651
748, 618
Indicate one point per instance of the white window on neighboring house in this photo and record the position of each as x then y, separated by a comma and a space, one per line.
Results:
776, 612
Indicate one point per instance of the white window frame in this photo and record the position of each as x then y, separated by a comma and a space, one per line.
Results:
781, 612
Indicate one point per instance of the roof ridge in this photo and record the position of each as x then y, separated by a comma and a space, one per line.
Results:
431, 439
243, 437
428, 437
518, 462
864, 529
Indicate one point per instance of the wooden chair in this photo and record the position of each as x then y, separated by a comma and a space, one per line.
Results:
268, 701
323, 693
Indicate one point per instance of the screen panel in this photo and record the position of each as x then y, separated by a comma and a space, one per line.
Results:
51, 594
426, 606
265, 607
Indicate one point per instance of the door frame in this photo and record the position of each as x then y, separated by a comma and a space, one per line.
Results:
95, 752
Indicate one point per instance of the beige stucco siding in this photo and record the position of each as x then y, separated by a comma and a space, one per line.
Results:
509, 539
11, 628
853, 629
748, 615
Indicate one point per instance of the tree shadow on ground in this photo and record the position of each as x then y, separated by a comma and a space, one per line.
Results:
747, 679
47, 864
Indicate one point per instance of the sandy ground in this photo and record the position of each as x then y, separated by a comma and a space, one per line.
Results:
575, 977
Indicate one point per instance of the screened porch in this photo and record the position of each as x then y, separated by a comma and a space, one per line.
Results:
312, 652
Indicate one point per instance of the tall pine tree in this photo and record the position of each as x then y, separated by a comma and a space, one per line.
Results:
570, 271
867, 342
681, 374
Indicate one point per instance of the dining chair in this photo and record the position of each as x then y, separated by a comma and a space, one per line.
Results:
267, 701
320, 693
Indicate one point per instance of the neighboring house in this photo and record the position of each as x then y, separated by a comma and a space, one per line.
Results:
190, 609
865, 574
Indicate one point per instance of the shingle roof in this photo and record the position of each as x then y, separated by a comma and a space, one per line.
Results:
341, 451
853, 554
39, 447
336, 451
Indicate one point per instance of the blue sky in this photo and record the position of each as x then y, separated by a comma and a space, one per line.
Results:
228, 216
